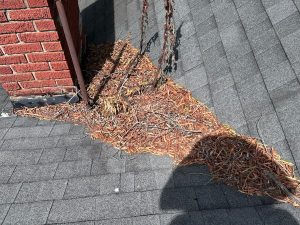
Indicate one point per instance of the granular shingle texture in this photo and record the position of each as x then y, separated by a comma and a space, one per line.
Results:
239, 57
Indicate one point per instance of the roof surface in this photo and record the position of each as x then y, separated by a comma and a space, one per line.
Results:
240, 57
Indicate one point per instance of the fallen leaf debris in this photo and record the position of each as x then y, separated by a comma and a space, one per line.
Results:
136, 118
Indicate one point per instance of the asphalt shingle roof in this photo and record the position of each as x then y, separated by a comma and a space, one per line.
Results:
239, 57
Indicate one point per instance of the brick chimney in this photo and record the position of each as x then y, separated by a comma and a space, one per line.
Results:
34, 57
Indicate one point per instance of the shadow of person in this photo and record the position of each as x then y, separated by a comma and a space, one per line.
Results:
192, 197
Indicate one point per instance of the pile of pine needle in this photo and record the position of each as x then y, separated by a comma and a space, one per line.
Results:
135, 117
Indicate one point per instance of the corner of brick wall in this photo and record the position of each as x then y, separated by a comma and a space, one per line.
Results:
34, 58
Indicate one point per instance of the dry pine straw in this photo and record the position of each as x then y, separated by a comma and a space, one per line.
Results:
169, 121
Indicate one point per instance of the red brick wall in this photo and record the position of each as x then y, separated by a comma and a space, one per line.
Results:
34, 58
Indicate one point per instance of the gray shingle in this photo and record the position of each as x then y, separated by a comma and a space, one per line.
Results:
5, 173
120, 14
238, 51
233, 35
226, 17
290, 121
294, 146
265, 41
255, 100
3, 211
211, 197
149, 220
150, 180
244, 68
73, 210
40, 191
133, 11
161, 162
83, 153
134, 30
271, 57
269, 128
286, 96
45, 122
29, 143
138, 163
20, 157
144, 181
296, 67
164, 178
220, 4
245, 216
210, 39
201, 13
291, 45
281, 10
297, 3
214, 53
228, 107
175, 219
73, 169
211, 217
244, 130
195, 217
191, 59
196, 78
3, 132
291, 131
7, 122
122, 221
222, 83
252, 21
181, 81
60, 129
203, 94
251, 9
259, 29
149, 202
33, 173
277, 215
288, 25
73, 140
269, 3
109, 183
8, 192
174, 200
105, 166
108, 151
239, 3
218, 69
182, 9
118, 205
80, 223
206, 26
191, 176
25, 122
198, 4
127, 182
52, 155
77, 129
284, 151
278, 75
27, 132
237, 199
28, 213
83, 187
